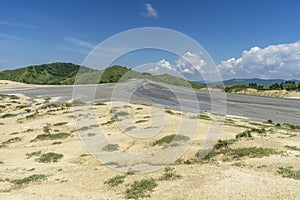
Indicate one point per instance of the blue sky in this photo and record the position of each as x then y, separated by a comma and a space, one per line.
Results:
241, 36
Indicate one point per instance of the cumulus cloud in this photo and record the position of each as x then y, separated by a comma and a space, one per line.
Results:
274, 61
190, 62
189, 65
150, 11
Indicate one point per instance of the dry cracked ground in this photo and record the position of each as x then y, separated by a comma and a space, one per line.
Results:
42, 156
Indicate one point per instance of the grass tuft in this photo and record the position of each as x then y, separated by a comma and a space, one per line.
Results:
171, 138
115, 181
49, 157
140, 189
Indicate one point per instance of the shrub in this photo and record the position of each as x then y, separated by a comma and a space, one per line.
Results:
9, 141
36, 153
252, 152
110, 147
29, 179
8, 115
49, 157
60, 124
23, 106
170, 112
223, 143
115, 181
51, 136
244, 134
99, 104
171, 138
288, 172
169, 174
294, 148
140, 189
141, 121
56, 143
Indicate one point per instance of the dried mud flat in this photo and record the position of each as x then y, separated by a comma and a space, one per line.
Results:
42, 156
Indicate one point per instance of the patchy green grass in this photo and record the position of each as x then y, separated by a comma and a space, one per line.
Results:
60, 124
202, 116
100, 104
289, 172
110, 147
224, 143
245, 134
171, 138
35, 153
169, 174
9, 141
29, 179
121, 114
141, 121
115, 181
49, 136
140, 189
130, 128
84, 128
23, 106
252, 152
8, 115
108, 122
294, 148
222, 147
4, 96
170, 112
57, 143
50, 157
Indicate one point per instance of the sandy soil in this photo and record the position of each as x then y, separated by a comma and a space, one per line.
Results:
79, 175
271, 93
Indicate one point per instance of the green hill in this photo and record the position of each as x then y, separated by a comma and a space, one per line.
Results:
66, 74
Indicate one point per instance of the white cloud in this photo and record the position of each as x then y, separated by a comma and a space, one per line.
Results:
165, 64
274, 61
78, 42
150, 11
190, 62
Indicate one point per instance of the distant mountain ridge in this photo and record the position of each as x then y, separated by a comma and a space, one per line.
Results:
60, 73
258, 81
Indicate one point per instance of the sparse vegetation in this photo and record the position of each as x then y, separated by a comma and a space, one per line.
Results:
8, 115
56, 143
50, 157
9, 141
60, 124
140, 189
23, 106
100, 104
171, 138
222, 148
36, 153
29, 179
110, 147
289, 172
49, 136
169, 174
294, 148
115, 181
141, 121
170, 112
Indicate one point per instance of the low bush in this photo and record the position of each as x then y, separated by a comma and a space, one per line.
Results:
115, 181
140, 189
171, 138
